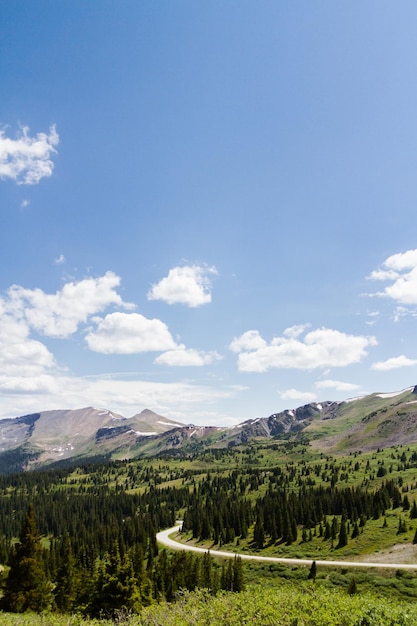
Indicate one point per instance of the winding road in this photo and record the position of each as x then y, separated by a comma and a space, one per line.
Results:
164, 538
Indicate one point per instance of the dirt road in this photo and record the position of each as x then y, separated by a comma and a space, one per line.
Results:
164, 538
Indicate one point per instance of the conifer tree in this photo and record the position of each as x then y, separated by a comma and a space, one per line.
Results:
355, 531
343, 538
313, 571
27, 587
238, 577
116, 586
67, 579
259, 532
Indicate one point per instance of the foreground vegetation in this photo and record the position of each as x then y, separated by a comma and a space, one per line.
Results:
288, 606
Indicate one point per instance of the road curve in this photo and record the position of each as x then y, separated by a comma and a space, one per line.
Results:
164, 538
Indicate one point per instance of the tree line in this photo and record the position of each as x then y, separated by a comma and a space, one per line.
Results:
44, 579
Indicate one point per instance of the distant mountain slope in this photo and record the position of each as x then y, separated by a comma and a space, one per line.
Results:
49, 436
41, 439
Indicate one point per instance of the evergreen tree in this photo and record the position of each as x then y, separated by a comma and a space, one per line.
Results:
259, 533
67, 579
313, 571
116, 587
27, 587
206, 571
343, 539
355, 531
402, 526
238, 577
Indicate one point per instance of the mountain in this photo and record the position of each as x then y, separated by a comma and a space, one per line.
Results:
42, 439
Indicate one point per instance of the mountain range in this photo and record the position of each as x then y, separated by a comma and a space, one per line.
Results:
62, 437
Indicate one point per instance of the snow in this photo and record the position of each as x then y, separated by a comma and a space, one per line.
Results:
353, 399
166, 423
320, 407
141, 434
291, 413
394, 393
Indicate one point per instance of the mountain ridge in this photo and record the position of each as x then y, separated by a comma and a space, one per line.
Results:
364, 423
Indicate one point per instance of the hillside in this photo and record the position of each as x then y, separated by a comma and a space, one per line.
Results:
367, 423
40, 439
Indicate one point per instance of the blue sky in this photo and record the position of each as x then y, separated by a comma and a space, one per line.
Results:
208, 209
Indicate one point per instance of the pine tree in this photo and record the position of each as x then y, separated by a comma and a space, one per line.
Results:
355, 531
313, 571
67, 579
259, 532
116, 586
238, 576
27, 587
343, 539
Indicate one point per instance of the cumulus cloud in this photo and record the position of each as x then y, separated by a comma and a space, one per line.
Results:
129, 333
401, 270
26, 159
19, 354
31, 379
250, 340
59, 260
189, 284
300, 396
323, 347
337, 385
187, 358
60, 314
393, 363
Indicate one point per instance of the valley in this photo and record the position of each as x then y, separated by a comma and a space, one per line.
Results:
275, 503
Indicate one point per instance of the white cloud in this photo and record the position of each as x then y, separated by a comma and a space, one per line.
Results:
320, 348
26, 159
31, 380
337, 385
401, 270
250, 340
19, 354
295, 331
185, 358
126, 396
189, 284
59, 260
393, 363
60, 314
294, 394
129, 333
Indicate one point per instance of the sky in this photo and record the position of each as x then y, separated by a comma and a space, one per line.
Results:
208, 209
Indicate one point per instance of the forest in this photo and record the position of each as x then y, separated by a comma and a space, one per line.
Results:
82, 540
